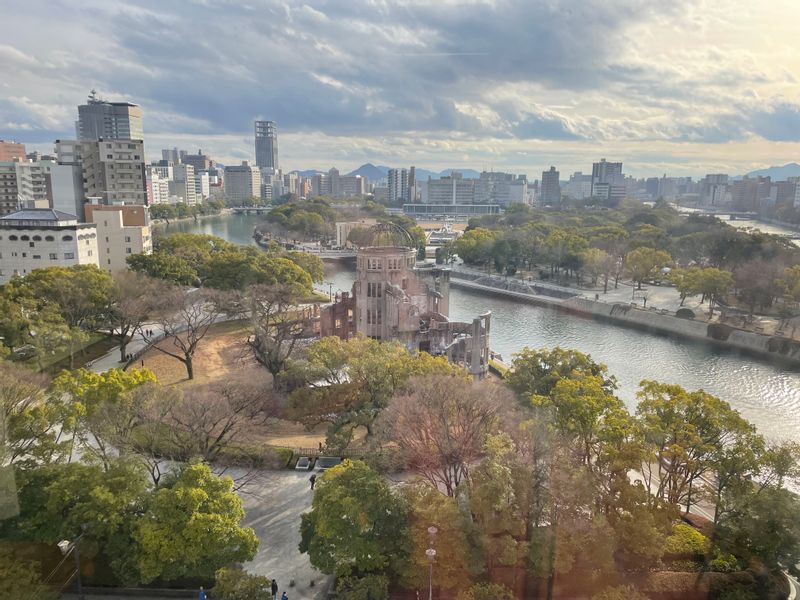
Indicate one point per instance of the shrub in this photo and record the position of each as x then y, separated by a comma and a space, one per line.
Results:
620, 592
368, 587
487, 591
686, 541
233, 584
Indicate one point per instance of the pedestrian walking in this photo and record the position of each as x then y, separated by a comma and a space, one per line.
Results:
201, 594
313, 480
284, 596
274, 588
143, 363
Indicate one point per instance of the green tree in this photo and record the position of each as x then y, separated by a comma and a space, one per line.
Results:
233, 584
643, 262
30, 421
357, 524
536, 372
21, 580
762, 526
712, 284
89, 392
682, 433
162, 265
475, 246
454, 536
191, 527
599, 264
133, 296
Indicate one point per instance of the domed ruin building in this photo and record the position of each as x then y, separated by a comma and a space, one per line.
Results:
393, 299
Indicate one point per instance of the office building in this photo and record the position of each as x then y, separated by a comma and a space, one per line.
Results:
122, 231
500, 188
34, 238
112, 170
551, 188
242, 183
202, 185
338, 186
43, 184
109, 120
171, 156
451, 189
266, 144
199, 161
579, 186
11, 151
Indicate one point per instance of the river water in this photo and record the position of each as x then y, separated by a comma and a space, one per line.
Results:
765, 393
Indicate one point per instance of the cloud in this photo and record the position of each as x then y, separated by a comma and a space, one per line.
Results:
440, 78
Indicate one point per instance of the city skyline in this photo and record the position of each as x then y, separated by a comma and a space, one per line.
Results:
678, 89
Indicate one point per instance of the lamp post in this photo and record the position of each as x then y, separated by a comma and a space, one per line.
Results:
431, 554
66, 547
330, 291
432, 531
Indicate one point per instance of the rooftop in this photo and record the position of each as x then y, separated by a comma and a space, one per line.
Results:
39, 214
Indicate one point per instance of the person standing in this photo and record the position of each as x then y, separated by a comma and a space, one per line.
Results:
274, 588
313, 480
284, 596
201, 595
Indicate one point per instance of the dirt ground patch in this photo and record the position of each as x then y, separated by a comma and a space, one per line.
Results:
223, 353
219, 354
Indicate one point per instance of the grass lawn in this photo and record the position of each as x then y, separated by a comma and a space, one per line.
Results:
97, 345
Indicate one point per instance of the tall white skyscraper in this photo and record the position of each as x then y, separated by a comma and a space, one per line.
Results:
398, 186
266, 144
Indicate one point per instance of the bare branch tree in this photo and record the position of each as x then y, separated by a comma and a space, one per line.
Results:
441, 425
220, 415
132, 301
185, 317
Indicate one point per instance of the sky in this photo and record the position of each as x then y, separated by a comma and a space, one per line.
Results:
676, 87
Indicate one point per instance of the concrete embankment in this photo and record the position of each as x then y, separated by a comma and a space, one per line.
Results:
656, 321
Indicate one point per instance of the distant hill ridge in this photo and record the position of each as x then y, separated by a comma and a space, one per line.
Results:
778, 173
376, 173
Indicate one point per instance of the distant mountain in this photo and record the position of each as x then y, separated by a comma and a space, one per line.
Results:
371, 172
467, 173
378, 172
778, 173
307, 172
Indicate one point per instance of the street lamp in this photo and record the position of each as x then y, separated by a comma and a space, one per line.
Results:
66, 547
330, 290
432, 531
431, 554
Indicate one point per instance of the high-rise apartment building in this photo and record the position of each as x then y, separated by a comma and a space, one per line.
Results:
109, 120
11, 151
183, 184
157, 187
398, 186
608, 182
112, 170
266, 144
579, 186
242, 183
551, 187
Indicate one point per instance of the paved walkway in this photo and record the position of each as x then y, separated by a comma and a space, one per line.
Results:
274, 502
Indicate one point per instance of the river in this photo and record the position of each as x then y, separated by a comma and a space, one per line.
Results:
765, 393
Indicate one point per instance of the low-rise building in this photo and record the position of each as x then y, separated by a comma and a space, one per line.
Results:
43, 237
122, 231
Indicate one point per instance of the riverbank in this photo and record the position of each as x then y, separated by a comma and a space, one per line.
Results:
771, 347
164, 222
